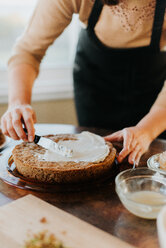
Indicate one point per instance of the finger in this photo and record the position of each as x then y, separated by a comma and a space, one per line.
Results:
10, 129
123, 154
133, 144
28, 120
117, 136
17, 124
4, 127
134, 155
34, 117
138, 157
127, 140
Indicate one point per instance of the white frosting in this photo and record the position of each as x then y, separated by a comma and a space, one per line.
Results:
55, 147
87, 147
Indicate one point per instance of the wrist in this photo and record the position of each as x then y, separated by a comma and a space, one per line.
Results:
154, 123
18, 105
147, 131
16, 102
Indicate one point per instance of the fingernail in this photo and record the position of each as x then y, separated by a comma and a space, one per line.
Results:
31, 139
120, 159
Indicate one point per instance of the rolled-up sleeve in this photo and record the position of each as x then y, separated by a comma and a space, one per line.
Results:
48, 21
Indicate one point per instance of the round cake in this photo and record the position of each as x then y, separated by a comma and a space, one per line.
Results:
92, 158
2, 138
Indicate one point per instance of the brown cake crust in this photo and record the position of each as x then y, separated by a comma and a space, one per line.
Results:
2, 138
28, 164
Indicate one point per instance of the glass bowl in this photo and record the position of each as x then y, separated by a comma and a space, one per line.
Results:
161, 227
153, 163
142, 191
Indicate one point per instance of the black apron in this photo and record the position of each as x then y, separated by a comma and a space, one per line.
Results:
115, 88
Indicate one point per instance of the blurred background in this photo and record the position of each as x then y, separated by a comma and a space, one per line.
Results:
53, 90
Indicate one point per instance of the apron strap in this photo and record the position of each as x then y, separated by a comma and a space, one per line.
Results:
95, 14
158, 24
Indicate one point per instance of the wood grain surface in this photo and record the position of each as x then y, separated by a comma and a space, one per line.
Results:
99, 206
27, 213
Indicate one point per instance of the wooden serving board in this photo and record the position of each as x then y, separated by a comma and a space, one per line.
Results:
23, 217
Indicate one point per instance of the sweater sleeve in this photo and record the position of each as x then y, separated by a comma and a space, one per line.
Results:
48, 21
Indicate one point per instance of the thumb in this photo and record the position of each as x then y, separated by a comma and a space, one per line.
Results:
34, 117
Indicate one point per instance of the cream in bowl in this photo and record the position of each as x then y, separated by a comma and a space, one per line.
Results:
162, 160
142, 191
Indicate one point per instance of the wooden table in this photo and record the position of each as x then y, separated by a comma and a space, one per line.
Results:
99, 206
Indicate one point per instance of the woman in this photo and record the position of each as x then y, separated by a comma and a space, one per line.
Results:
119, 69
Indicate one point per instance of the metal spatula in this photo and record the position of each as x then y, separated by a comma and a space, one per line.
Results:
51, 145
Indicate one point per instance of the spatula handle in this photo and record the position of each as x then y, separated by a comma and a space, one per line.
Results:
36, 139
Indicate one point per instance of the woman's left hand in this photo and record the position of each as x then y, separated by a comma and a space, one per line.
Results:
136, 141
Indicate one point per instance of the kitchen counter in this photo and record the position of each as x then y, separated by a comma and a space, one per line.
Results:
98, 205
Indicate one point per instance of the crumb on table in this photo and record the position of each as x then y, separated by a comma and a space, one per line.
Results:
43, 240
43, 220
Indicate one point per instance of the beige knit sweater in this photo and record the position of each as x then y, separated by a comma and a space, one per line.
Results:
129, 24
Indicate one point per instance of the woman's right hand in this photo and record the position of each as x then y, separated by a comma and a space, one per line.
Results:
13, 119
